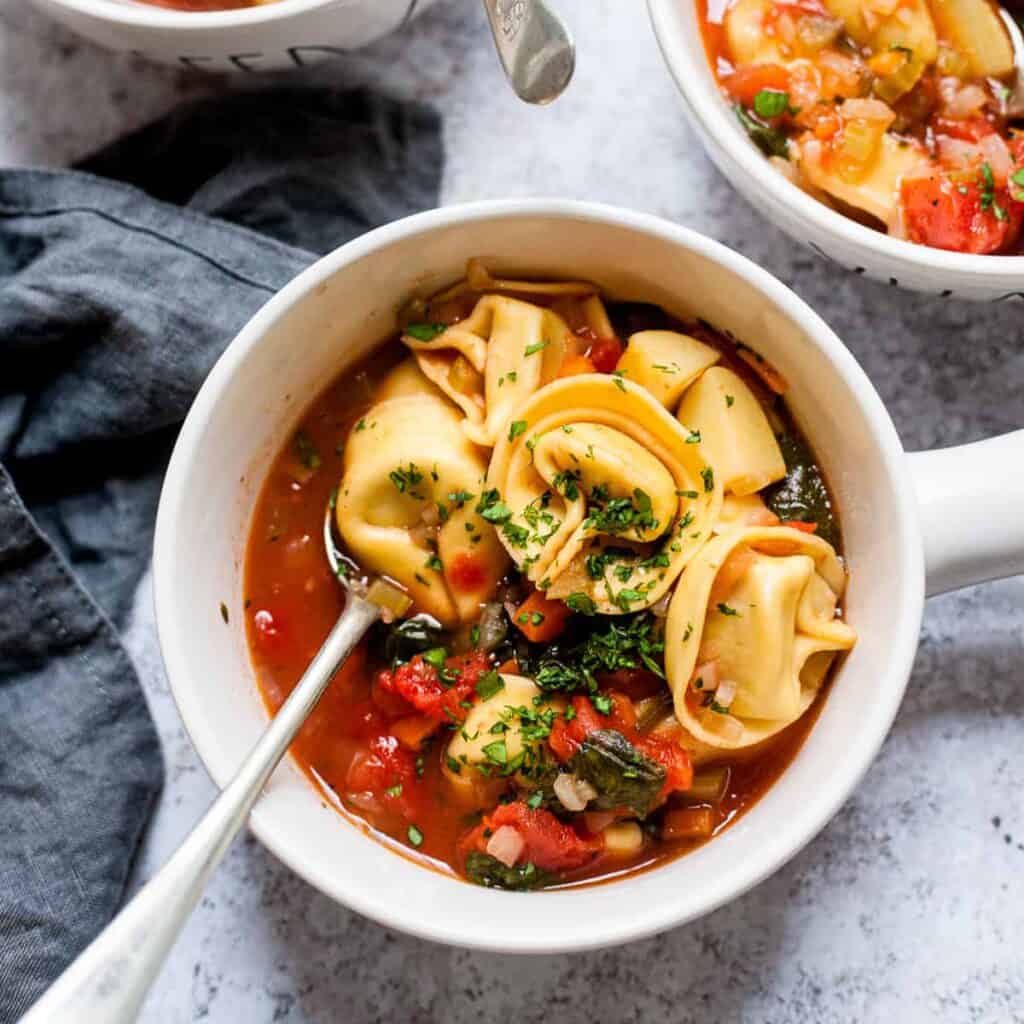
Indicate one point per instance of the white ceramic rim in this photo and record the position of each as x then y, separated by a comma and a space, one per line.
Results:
701, 92
141, 15
678, 906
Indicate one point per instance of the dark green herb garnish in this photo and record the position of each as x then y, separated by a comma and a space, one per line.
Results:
405, 479
488, 871
425, 332
415, 836
771, 103
305, 451
488, 685
515, 428
581, 603
769, 140
622, 776
802, 496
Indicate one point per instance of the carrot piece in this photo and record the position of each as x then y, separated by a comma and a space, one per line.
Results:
510, 667
799, 524
413, 730
688, 823
541, 619
771, 377
572, 366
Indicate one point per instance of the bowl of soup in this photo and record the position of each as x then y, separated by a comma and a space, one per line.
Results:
887, 137
236, 36
630, 489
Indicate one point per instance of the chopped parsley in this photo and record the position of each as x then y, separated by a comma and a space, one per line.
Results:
305, 451
727, 609
1018, 179
496, 752
515, 428
425, 332
769, 140
618, 515
771, 103
537, 346
988, 193
581, 603
566, 483
435, 563
729, 400
488, 685
394, 791
415, 836
693, 437
602, 703
404, 479
707, 474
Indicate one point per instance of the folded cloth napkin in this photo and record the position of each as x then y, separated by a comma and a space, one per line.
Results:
116, 297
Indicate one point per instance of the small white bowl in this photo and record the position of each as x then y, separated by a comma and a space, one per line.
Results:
270, 37
344, 305
851, 246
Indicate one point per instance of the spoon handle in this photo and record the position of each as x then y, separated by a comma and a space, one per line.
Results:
535, 47
109, 980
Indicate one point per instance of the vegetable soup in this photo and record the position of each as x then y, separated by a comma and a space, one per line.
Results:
619, 568
905, 115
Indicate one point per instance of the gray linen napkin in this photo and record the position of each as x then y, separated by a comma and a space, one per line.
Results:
114, 304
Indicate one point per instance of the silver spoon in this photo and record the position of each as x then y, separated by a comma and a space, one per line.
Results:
1015, 100
535, 47
109, 980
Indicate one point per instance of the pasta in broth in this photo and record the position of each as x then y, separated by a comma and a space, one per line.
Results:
623, 562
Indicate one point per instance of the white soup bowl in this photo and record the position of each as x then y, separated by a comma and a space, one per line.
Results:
335, 312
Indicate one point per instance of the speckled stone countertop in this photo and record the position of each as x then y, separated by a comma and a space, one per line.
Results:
910, 905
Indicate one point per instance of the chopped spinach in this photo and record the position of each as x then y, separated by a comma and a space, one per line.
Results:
409, 637
488, 871
622, 776
803, 495
769, 140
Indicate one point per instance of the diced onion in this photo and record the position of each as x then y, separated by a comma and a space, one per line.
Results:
624, 839
394, 603
709, 785
961, 101
573, 793
726, 692
506, 845
997, 156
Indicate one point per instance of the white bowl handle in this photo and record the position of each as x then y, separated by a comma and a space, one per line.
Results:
972, 511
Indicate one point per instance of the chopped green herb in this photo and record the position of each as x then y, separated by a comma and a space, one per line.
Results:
394, 791
361, 425
693, 437
488, 685
581, 603
602, 703
425, 332
771, 103
305, 451
729, 400
769, 140
496, 752
535, 799
726, 609
403, 479
415, 836
435, 563
515, 428
707, 474
537, 346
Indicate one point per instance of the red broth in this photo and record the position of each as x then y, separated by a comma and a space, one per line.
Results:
292, 600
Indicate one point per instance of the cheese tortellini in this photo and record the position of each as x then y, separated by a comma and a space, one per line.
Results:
493, 360
601, 496
406, 506
751, 632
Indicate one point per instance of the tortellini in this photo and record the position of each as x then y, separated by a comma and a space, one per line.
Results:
737, 438
759, 605
493, 360
600, 495
712, 402
406, 506
666, 363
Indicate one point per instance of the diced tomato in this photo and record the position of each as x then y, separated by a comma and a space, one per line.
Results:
540, 619
549, 843
946, 214
467, 572
387, 773
420, 684
566, 738
635, 683
672, 757
972, 129
605, 354
746, 82
573, 366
